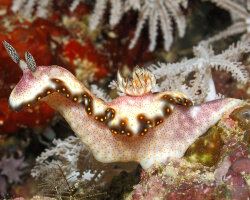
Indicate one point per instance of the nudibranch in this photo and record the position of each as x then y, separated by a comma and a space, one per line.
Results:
141, 126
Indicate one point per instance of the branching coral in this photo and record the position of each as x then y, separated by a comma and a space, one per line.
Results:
115, 13
158, 13
201, 88
241, 24
65, 154
29, 8
159, 10
162, 10
77, 164
153, 11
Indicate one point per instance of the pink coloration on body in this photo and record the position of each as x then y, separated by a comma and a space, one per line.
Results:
147, 128
169, 139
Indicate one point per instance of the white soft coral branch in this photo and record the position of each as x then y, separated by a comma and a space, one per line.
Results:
100, 6
154, 11
232, 7
166, 11
240, 26
36, 8
174, 76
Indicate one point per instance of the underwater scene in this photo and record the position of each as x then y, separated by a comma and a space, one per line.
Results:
125, 99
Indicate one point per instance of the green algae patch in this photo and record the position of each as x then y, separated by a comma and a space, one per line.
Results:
206, 149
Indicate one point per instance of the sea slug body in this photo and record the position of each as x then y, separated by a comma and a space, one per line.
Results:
141, 126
